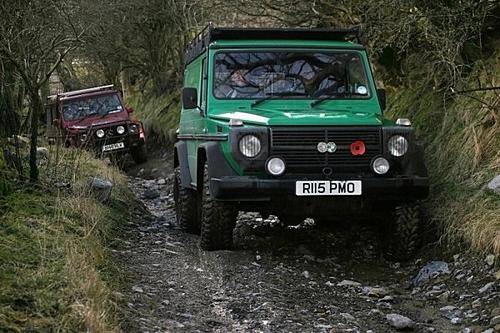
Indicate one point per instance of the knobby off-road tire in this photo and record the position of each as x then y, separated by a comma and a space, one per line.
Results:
185, 205
139, 155
405, 231
217, 219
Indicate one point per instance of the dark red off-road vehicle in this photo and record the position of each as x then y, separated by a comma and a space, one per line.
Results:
96, 119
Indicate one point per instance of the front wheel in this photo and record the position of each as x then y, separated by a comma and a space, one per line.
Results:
140, 154
185, 205
217, 219
405, 231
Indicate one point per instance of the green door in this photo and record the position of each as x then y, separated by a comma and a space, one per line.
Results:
193, 121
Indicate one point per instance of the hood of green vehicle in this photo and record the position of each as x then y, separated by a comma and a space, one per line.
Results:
276, 117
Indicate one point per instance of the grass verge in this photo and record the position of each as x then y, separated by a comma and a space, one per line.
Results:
462, 139
53, 257
160, 115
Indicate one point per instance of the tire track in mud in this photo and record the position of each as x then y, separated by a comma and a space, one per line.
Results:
281, 279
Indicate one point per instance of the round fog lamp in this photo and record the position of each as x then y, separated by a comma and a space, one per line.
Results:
120, 129
380, 166
275, 166
100, 133
250, 146
133, 129
397, 145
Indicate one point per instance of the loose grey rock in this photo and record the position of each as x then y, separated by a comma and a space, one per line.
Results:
61, 184
375, 291
495, 321
348, 283
486, 287
100, 188
490, 260
450, 311
137, 289
444, 297
151, 193
456, 321
387, 299
347, 316
306, 274
494, 185
476, 303
430, 271
400, 322
374, 312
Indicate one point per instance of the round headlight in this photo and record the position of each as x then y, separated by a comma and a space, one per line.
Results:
250, 145
397, 145
133, 129
100, 133
380, 166
275, 166
120, 129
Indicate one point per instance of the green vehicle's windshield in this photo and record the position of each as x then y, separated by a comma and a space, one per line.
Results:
95, 105
256, 75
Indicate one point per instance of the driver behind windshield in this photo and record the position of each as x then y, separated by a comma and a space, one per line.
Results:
293, 74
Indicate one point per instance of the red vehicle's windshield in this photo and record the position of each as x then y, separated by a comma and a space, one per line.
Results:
95, 105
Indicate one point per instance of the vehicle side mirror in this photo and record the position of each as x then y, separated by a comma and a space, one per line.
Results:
381, 98
129, 109
189, 98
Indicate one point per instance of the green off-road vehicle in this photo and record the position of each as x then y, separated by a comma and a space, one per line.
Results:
289, 122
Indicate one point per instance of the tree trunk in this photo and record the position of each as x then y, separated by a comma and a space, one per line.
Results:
36, 110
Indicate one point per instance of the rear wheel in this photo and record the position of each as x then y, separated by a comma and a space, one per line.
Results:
405, 231
140, 154
217, 219
185, 205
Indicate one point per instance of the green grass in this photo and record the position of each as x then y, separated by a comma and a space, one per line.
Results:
160, 115
462, 139
53, 256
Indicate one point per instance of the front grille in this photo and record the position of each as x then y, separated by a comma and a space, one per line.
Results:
298, 146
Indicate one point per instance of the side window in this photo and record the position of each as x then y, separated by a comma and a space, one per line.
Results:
203, 84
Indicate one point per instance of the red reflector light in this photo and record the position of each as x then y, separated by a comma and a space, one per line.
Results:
358, 148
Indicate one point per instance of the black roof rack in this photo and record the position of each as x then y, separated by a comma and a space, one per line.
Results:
210, 33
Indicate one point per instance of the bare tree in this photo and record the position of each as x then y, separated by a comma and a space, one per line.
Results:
35, 36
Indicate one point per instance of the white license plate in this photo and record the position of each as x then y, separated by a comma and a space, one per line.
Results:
113, 146
328, 187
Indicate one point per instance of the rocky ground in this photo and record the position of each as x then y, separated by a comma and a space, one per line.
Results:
279, 279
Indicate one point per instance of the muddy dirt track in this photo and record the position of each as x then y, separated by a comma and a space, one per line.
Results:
281, 279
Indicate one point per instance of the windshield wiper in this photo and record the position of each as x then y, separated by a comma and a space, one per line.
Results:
274, 95
329, 96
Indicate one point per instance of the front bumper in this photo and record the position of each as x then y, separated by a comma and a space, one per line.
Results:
130, 142
249, 188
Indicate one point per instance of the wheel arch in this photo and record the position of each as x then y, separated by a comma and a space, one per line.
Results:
181, 161
218, 166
